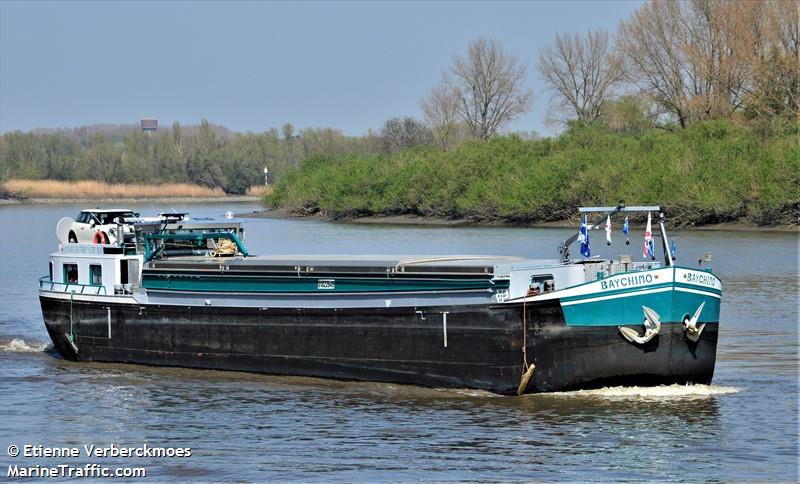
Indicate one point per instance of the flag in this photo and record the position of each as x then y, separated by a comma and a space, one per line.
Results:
649, 247
608, 230
625, 228
583, 238
674, 249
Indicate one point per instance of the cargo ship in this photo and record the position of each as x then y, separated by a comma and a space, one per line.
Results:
187, 293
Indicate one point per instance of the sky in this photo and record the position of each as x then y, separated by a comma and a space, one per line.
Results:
253, 65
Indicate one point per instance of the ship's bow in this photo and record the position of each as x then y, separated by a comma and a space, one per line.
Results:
641, 328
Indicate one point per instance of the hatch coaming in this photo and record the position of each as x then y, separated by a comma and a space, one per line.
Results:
482, 266
324, 274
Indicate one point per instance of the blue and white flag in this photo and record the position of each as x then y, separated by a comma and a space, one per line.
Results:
674, 250
608, 230
649, 247
625, 229
583, 238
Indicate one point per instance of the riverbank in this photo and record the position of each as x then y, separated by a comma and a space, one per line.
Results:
281, 214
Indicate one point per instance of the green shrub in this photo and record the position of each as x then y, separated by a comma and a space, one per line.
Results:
712, 171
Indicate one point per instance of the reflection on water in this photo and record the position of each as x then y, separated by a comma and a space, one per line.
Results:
254, 427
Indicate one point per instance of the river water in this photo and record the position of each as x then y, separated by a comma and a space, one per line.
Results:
249, 427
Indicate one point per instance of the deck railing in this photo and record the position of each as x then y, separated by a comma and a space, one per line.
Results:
46, 283
601, 269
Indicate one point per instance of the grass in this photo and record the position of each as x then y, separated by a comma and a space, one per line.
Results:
88, 189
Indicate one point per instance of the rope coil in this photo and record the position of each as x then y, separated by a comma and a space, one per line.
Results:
224, 247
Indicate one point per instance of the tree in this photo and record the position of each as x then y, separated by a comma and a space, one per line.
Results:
706, 59
290, 148
201, 166
489, 86
398, 134
177, 144
440, 108
288, 132
775, 89
580, 71
651, 43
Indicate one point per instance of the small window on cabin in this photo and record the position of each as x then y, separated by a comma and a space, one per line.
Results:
96, 275
50, 270
540, 284
71, 273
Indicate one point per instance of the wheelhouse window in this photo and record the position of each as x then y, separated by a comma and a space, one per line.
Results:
96, 275
71, 273
541, 283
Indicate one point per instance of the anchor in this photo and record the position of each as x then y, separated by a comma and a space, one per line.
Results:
652, 326
690, 325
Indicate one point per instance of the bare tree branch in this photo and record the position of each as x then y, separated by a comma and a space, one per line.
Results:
489, 85
580, 71
440, 108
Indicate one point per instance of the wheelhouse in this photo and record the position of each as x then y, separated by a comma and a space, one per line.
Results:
92, 269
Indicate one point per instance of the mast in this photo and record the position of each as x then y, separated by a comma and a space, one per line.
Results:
664, 241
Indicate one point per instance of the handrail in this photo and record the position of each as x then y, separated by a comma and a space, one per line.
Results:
49, 280
621, 208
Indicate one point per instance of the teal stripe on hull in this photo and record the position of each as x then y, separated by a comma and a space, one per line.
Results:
312, 285
706, 289
672, 305
621, 310
685, 304
616, 292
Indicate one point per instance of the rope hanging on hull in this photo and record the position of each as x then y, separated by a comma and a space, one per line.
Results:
71, 335
527, 370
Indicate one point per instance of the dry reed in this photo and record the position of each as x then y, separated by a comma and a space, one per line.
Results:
88, 189
258, 190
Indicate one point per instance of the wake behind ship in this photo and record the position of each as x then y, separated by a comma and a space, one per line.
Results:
187, 293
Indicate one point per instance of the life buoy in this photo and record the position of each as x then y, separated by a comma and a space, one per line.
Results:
100, 238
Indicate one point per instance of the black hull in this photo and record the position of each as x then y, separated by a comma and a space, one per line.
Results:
483, 344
